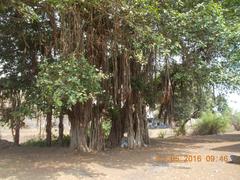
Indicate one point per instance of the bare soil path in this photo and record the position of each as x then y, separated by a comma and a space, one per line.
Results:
213, 153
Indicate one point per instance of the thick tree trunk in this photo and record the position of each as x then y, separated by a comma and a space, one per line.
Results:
49, 129
60, 129
131, 134
97, 136
146, 138
79, 118
139, 138
17, 133
78, 138
116, 132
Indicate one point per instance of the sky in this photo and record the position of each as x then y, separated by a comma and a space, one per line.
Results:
234, 101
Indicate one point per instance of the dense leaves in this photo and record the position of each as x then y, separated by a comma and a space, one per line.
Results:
68, 81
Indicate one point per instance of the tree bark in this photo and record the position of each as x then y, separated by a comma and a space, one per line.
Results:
78, 137
17, 133
146, 138
49, 128
131, 133
60, 129
78, 118
96, 137
116, 132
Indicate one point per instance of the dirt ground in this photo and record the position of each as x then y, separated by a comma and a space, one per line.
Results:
213, 152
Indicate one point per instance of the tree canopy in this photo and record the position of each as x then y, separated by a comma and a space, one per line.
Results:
99, 61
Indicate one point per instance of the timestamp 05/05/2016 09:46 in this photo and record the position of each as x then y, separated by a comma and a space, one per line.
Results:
193, 158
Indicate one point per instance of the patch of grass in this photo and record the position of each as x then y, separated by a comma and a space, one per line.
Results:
211, 123
66, 140
39, 142
162, 134
180, 131
35, 142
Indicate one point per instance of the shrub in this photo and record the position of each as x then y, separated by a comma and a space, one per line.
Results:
180, 130
236, 121
35, 142
211, 123
39, 142
106, 126
162, 134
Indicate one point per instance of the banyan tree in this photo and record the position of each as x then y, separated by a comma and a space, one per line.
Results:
100, 61
94, 74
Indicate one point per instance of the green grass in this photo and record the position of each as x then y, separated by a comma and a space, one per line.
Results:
211, 123
162, 134
38, 142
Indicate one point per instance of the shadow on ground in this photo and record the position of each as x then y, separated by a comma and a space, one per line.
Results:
231, 148
51, 163
205, 139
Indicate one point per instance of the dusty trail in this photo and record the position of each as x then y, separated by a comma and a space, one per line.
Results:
146, 163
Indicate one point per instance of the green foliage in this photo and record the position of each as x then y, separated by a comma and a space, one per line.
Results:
106, 126
192, 45
42, 142
68, 81
36, 143
197, 38
114, 112
221, 103
211, 123
162, 134
181, 130
236, 121
150, 90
